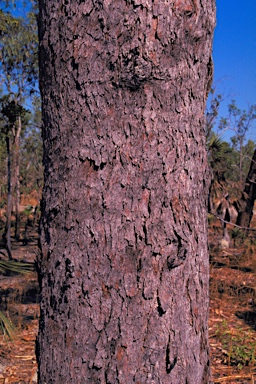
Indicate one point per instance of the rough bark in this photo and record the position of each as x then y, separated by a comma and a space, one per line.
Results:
246, 203
124, 262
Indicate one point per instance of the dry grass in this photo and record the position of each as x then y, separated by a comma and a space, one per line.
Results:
233, 308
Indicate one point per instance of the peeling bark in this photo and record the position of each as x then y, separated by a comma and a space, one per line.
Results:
124, 262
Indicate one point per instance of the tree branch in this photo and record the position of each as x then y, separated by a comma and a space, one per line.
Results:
234, 225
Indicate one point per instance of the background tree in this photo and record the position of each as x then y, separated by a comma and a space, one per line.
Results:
12, 117
239, 121
229, 161
246, 203
18, 74
124, 264
19, 48
31, 151
219, 153
211, 114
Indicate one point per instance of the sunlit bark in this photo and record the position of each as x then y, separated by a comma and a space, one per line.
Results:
124, 264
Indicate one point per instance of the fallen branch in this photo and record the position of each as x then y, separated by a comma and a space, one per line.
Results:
234, 225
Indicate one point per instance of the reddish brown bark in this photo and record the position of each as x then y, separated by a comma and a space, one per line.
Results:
124, 263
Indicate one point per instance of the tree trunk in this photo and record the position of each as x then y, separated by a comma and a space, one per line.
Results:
7, 234
124, 263
246, 203
17, 178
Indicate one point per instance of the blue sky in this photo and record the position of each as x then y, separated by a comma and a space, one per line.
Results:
234, 55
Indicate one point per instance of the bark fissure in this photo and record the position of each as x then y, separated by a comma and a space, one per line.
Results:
170, 362
160, 310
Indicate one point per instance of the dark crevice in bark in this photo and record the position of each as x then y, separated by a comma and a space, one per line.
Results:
169, 364
180, 256
176, 259
74, 64
112, 347
160, 310
149, 209
96, 368
106, 378
145, 233
139, 268
117, 376
78, 86
92, 163
85, 294
96, 167
69, 268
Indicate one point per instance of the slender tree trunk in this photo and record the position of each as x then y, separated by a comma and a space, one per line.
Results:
17, 178
246, 203
124, 265
9, 200
241, 174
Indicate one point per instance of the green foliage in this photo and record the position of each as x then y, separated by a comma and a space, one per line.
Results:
244, 155
19, 80
15, 267
6, 326
32, 152
224, 158
19, 53
239, 237
240, 121
10, 110
212, 113
229, 161
216, 149
238, 345
220, 156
